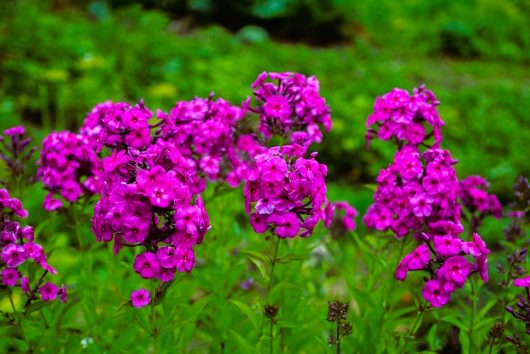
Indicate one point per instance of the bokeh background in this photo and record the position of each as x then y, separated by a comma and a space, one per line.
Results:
58, 58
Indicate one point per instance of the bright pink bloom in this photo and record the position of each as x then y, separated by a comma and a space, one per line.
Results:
140, 298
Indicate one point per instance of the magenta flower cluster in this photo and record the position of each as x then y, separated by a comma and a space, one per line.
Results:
404, 117
17, 246
475, 197
418, 194
92, 127
286, 192
147, 201
290, 105
204, 130
69, 168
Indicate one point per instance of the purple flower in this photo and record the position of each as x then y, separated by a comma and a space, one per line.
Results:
10, 276
447, 245
63, 295
49, 291
184, 259
147, 265
18, 130
456, 270
24, 284
287, 225
14, 255
522, 282
51, 204
140, 298
435, 293
277, 106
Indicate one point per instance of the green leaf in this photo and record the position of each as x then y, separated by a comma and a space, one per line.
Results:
244, 345
37, 305
248, 312
464, 341
289, 258
257, 255
142, 321
260, 267
162, 291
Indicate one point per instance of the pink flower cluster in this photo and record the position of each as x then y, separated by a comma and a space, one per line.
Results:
403, 116
17, 245
69, 167
290, 105
475, 197
118, 126
92, 127
286, 193
204, 130
446, 264
419, 194
147, 202
416, 190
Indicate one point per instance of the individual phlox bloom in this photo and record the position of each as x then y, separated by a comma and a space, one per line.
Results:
49, 291
140, 298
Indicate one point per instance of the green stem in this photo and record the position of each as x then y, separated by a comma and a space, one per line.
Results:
472, 318
273, 264
154, 329
338, 337
272, 336
491, 345
415, 326
19, 322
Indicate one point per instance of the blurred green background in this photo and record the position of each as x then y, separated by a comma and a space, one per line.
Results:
59, 58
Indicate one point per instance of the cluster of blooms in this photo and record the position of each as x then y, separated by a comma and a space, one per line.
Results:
474, 196
69, 167
148, 202
286, 192
14, 152
17, 245
415, 190
118, 125
93, 124
418, 194
290, 106
403, 116
204, 130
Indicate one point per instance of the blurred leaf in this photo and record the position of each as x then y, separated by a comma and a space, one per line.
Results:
251, 315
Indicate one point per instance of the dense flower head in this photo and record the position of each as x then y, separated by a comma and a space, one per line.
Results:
68, 167
205, 132
17, 247
290, 105
404, 117
150, 200
92, 127
118, 126
286, 192
417, 189
419, 194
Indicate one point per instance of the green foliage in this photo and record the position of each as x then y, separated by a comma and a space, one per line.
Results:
54, 66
